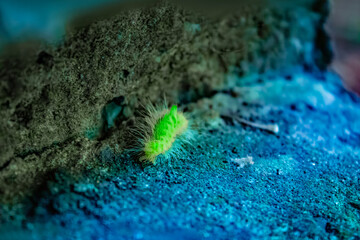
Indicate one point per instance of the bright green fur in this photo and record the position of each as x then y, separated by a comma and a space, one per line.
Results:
165, 132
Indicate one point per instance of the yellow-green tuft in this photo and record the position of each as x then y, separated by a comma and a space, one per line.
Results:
170, 126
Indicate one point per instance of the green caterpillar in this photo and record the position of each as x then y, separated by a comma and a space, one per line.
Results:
163, 133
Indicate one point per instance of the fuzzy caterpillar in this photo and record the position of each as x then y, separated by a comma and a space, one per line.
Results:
163, 131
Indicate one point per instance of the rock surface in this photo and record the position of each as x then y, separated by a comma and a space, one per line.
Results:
303, 183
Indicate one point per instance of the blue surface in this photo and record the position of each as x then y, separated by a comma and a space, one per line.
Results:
304, 182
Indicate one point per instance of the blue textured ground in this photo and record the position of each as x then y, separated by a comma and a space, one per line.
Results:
304, 183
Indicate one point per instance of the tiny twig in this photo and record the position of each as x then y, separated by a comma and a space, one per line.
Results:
273, 128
